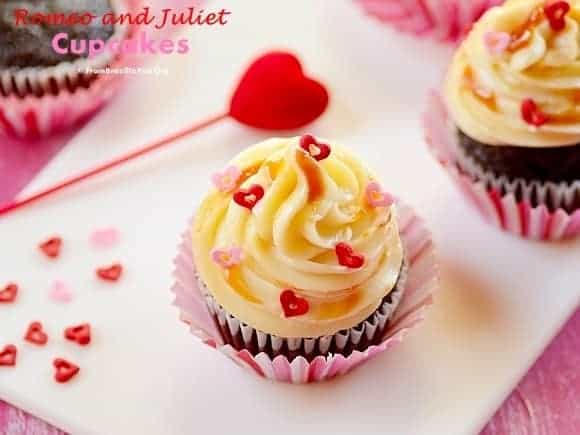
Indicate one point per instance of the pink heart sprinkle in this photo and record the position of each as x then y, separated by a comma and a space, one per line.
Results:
105, 238
377, 197
60, 292
497, 42
227, 257
227, 180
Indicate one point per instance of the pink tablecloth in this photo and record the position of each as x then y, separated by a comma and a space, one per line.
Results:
545, 402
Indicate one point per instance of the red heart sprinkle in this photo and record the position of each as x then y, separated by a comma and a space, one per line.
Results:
532, 114
556, 13
64, 370
318, 151
347, 257
8, 356
110, 273
8, 294
36, 335
51, 247
274, 94
80, 334
249, 197
293, 305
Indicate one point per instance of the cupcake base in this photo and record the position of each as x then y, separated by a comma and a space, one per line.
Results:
557, 164
420, 284
368, 332
532, 209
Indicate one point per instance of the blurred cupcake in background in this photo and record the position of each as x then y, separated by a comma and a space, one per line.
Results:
445, 20
509, 127
43, 91
300, 265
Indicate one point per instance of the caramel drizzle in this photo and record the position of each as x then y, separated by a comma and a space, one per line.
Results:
333, 310
273, 167
522, 35
487, 98
312, 173
237, 282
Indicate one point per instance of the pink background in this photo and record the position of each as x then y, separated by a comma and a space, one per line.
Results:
544, 403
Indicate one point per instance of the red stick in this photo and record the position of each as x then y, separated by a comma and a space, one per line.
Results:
5, 209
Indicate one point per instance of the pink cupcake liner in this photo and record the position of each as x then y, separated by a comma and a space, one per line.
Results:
444, 20
495, 197
421, 283
25, 115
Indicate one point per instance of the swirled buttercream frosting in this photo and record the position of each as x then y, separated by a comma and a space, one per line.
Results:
298, 239
515, 80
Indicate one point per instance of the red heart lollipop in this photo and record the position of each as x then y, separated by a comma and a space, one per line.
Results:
274, 93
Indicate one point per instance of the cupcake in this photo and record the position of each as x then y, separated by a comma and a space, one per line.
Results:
513, 117
41, 90
301, 258
447, 20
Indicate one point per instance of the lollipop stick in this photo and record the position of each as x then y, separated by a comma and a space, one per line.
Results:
274, 93
5, 209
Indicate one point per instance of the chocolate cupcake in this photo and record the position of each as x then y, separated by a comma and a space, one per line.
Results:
25, 44
513, 97
41, 89
304, 251
299, 260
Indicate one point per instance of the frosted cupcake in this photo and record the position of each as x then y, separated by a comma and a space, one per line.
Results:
299, 252
512, 95
42, 90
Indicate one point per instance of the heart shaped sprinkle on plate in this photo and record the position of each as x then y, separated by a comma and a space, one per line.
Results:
51, 247
80, 334
36, 335
8, 294
60, 292
105, 238
8, 356
64, 370
110, 273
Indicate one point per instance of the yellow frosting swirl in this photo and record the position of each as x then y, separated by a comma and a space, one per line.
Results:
288, 241
486, 86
